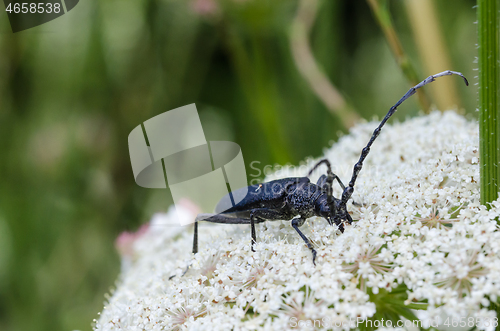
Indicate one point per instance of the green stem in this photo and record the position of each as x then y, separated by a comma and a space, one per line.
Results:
309, 68
488, 19
381, 12
259, 87
428, 36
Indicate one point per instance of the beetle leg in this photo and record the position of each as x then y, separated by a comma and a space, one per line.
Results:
296, 222
339, 224
195, 238
260, 215
217, 218
226, 219
321, 181
254, 236
320, 162
349, 219
325, 179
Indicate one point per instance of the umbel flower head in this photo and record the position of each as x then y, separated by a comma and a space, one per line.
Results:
421, 246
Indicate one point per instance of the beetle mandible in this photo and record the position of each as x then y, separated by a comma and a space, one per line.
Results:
296, 199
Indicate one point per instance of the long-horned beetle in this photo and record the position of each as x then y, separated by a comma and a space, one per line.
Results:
297, 199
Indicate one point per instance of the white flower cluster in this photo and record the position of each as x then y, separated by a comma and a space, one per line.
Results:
419, 226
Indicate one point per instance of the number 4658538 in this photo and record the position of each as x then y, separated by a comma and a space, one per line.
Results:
33, 8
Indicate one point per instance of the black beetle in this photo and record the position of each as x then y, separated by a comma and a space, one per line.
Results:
297, 199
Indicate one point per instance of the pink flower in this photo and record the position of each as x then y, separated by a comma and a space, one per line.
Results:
125, 241
205, 7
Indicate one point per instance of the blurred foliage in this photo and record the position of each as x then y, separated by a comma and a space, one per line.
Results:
71, 91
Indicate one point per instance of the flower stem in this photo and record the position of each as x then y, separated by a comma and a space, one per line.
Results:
428, 35
488, 24
383, 16
309, 68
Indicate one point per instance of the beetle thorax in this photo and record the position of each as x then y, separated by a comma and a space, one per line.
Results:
303, 198
322, 207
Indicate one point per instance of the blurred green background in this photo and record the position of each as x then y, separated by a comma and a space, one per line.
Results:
282, 78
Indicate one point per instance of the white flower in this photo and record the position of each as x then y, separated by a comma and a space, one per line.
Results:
421, 237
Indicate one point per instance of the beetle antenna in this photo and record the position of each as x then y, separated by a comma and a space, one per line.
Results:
357, 167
